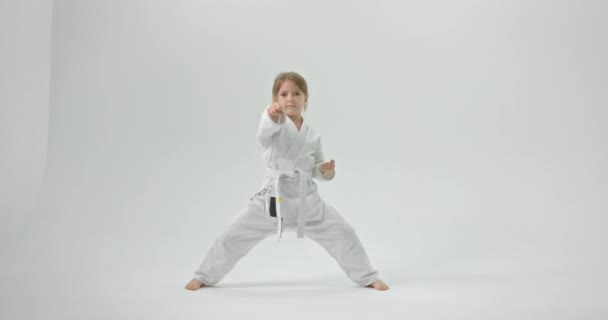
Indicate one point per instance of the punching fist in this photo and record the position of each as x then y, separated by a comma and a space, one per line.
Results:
328, 168
275, 111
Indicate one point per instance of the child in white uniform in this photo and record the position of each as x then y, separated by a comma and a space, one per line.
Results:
288, 197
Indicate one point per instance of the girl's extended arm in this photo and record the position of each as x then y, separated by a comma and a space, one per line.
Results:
269, 126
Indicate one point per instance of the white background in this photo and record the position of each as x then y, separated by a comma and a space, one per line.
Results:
469, 139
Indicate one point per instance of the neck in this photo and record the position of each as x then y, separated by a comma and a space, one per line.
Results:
296, 118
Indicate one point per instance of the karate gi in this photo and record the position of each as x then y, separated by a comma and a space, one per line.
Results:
293, 158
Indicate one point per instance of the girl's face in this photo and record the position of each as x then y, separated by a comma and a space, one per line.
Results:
291, 98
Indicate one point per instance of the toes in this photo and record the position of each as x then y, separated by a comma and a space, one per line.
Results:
383, 286
194, 285
379, 285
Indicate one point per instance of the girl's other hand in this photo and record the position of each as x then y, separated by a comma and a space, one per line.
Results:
328, 168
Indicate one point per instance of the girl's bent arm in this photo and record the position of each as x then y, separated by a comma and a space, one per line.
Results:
319, 159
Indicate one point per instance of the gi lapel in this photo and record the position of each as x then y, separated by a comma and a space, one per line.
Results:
289, 161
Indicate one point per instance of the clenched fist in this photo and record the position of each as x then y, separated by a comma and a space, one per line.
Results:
328, 168
275, 111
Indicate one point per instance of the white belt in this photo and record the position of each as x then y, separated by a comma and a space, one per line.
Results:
304, 177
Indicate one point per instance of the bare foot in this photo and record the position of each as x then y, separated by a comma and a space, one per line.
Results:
379, 285
194, 285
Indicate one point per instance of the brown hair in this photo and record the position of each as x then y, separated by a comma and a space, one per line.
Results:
290, 75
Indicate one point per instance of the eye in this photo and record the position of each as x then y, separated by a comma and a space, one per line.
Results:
297, 93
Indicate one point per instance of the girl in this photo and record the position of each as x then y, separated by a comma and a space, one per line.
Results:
288, 198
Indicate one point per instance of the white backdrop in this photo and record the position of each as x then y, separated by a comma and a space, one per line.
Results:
469, 139
25, 66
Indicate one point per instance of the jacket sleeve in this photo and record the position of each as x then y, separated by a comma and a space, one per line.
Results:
268, 128
319, 159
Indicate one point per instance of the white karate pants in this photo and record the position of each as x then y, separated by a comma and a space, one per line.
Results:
252, 225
